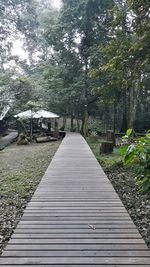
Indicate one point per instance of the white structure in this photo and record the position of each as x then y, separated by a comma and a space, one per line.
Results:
30, 114
4, 112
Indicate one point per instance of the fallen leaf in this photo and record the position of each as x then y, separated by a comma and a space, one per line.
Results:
91, 226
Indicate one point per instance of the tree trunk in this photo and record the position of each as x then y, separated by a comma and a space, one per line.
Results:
84, 128
133, 99
106, 147
72, 123
124, 125
115, 112
78, 123
63, 124
110, 136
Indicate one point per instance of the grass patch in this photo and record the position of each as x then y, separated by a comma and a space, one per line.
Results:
23, 181
108, 161
21, 170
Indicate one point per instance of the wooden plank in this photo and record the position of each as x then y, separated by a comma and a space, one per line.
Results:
64, 189
75, 265
68, 222
75, 253
79, 215
71, 218
91, 229
75, 218
75, 204
77, 241
72, 247
75, 213
74, 209
75, 260
75, 222
78, 202
75, 226
77, 236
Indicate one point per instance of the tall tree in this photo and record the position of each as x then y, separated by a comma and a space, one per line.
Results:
124, 69
80, 28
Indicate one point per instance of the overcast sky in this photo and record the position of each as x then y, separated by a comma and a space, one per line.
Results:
56, 3
17, 46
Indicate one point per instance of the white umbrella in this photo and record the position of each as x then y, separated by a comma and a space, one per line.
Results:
45, 114
30, 114
25, 115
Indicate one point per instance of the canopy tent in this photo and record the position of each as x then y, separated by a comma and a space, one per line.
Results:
30, 114
37, 115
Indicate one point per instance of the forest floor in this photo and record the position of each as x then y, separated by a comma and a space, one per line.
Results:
123, 180
21, 169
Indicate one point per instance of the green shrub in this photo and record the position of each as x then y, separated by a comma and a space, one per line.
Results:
96, 126
138, 153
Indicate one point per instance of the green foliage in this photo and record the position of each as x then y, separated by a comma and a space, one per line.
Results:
108, 162
96, 126
129, 132
17, 18
138, 153
88, 58
128, 137
123, 149
75, 37
124, 70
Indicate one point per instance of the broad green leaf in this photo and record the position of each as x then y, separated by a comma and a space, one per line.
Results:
148, 134
123, 150
129, 158
129, 132
130, 149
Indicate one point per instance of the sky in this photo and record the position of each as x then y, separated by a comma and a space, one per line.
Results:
56, 3
18, 44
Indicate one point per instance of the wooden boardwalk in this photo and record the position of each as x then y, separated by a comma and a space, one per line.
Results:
75, 218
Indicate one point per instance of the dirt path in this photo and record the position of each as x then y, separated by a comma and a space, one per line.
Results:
21, 169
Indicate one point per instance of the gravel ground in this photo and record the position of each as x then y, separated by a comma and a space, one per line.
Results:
137, 204
21, 169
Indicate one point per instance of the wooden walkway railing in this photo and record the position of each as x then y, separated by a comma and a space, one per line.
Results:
75, 218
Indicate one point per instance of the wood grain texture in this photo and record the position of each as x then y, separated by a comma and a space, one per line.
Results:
75, 218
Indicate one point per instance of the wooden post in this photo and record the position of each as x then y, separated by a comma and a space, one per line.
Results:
106, 147
110, 136
49, 126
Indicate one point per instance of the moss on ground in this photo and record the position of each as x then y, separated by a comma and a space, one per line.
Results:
108, 161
